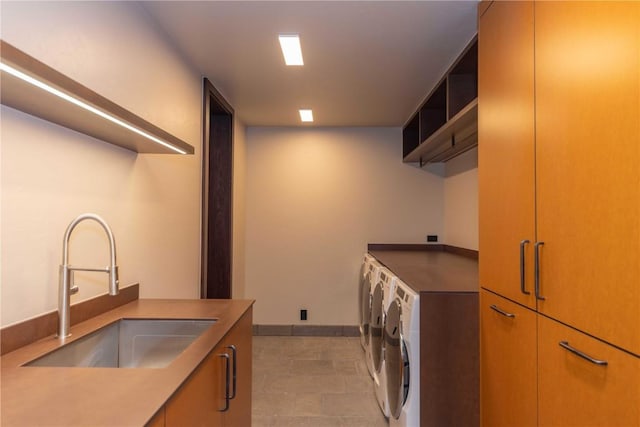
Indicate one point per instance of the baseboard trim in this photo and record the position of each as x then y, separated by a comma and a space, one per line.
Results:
306, 330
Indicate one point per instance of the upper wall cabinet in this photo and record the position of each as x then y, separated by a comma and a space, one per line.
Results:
446, 124
28, 85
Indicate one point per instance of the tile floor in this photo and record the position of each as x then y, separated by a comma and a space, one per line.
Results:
312, 381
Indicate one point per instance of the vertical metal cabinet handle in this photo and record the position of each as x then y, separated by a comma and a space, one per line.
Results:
226, 383
565, 345
234, 351
523, 243
501, 311
536, 271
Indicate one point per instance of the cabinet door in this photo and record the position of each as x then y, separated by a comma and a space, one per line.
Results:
574, 391
239, 413
506, 148
157, 420
507, 363
588, 166
199, 400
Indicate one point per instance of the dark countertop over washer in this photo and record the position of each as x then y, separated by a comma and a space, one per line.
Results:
446, 278
430, 268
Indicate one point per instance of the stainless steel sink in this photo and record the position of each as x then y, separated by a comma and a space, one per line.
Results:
128, 343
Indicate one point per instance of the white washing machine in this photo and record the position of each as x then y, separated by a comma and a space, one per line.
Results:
373, 275
402, 357
383, 294
363, 299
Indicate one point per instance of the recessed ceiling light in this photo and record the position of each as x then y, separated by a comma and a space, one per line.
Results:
290, 45
306, 115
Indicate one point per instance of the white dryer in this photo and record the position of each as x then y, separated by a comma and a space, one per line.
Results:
402, 357
383, 294
363, 299
367, 296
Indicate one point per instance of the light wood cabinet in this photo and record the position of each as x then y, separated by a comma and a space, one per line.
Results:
157, 420
559, 169
218, 393
239, 413
202, 397
563, 172
576, 391
588, 166
506, 153
508, 360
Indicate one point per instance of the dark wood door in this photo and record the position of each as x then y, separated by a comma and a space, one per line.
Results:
217, 156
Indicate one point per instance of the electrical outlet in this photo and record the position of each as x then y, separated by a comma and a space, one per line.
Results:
432, 237
303, 314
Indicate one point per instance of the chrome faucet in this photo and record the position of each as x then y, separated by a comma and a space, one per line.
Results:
66, 284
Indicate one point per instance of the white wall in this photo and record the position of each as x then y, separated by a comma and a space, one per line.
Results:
239, 203
461, 201
300, 191
315, 198
50, 174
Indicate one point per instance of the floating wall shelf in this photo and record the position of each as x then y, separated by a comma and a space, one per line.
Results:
446, 124
33, 87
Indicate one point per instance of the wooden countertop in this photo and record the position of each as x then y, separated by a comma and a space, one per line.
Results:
431, 270
52, 396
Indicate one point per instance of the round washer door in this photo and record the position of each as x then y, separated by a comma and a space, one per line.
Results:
364, 282
375, 328
366, 307
396, 359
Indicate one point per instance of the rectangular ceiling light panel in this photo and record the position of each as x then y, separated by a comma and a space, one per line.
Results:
290, 45
306, 115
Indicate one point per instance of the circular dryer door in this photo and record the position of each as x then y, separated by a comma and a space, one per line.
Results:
396, 360
365, 304
375, 328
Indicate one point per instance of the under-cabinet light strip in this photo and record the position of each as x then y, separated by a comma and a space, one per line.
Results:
35, 82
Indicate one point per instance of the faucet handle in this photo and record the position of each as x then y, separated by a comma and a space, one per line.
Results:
73, 288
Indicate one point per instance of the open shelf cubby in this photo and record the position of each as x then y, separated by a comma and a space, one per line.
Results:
411, 135
446, 123
433, 113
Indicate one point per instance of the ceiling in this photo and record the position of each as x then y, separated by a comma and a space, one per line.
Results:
367, 63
